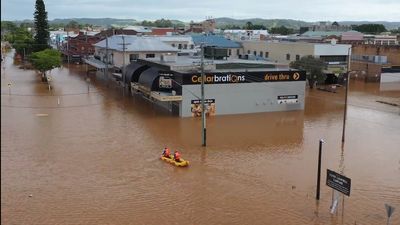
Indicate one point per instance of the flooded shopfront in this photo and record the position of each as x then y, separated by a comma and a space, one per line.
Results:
82, 153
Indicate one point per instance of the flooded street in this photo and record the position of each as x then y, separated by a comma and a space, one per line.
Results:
73, 157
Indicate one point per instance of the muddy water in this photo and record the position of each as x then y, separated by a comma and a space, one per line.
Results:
73, 157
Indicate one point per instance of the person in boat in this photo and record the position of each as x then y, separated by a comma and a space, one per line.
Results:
166, 153
177, 156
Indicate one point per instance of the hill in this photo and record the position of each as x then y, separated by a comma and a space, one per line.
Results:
295, 24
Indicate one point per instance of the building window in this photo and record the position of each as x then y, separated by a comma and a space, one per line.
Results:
237, 52
229, 52
248, 52
266, 54
173, 45
287, 56
150, 56
297, 57
179, 46
255, 53
191, 46
133, 57
185, 46
261, 54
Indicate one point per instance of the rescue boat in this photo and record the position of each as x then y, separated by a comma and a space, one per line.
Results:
172, 161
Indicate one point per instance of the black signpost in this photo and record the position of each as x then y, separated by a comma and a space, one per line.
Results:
338, 182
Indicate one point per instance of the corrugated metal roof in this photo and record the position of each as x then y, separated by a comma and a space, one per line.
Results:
136, 44
215, 40
322, 33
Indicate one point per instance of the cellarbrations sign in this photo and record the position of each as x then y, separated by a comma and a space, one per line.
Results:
248, 77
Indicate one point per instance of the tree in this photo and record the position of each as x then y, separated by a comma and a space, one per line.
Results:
41, 26
370, 28
72, 25
46, 60
248, 26
22, 40
281, 30
313, 68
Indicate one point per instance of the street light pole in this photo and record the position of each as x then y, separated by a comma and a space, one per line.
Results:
321, 141
203, 110
346, 94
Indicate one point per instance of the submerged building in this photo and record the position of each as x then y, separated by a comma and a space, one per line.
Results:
231, 86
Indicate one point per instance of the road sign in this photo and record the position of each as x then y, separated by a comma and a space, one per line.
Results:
338, 182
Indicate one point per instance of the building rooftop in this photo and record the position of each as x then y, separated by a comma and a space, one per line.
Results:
190, 64
215, 40
139, 29
135, 43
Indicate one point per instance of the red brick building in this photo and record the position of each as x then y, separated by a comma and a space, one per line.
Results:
80, 46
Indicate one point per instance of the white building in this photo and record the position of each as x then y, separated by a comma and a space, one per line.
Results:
246, 34
136, 47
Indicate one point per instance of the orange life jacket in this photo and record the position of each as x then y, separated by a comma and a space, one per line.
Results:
177, 156
167, 152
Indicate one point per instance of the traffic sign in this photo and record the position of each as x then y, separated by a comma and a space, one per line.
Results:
338, 182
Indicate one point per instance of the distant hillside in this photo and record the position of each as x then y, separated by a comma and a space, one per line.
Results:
221, 22
388, 25
106, 22
295, 24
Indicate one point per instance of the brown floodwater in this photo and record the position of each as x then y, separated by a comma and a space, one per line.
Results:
73, 157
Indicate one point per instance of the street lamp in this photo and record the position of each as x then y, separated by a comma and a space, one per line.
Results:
321, 141
347, 90
203, 110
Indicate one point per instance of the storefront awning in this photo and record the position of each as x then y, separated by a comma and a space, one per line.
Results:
148, 77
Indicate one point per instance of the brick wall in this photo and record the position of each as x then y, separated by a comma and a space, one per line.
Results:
391, 51
372, 71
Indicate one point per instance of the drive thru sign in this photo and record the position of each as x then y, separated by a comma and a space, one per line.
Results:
338, 182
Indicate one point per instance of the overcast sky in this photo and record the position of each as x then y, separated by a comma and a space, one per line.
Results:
186, 10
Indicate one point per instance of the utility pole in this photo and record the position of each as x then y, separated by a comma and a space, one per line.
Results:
346, 93
23, 59
107, 59
123, 63
203, 110
68, 46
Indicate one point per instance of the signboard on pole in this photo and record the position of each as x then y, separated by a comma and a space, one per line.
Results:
338, 182
389, 210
